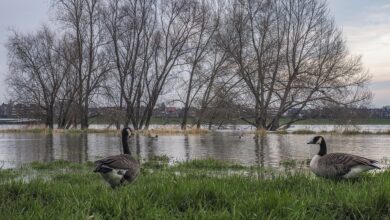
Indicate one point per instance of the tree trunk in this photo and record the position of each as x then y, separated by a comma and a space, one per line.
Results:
117, 123
187, 103
275, 125
199, 122
211, 123
84, 115
49, 118
184, 121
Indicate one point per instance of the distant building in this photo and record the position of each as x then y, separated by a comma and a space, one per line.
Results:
297, 113
374, 113
4, 110
8, 110
386, 112
18, 110
92, 112
161, 110
171, 112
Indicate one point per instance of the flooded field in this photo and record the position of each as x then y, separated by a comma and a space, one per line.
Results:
269, 151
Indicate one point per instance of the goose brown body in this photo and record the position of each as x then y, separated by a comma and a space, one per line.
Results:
338, 165
119, 169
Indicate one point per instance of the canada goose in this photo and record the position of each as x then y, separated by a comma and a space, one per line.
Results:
119, 169
338, 165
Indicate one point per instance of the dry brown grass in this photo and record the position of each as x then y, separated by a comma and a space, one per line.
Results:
29, 130
258, 133
303, 131
150, 132
173, 131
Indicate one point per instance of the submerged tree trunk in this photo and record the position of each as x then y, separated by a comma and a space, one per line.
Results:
84, 115
50, 118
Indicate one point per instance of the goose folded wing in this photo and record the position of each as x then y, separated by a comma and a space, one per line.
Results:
343, 163
118, 162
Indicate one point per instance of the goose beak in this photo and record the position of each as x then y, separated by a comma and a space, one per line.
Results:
311, 142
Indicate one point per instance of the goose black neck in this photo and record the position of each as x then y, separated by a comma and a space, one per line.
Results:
322, 151
125, 145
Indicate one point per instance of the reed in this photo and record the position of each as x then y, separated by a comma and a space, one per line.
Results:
29, 130
169, 130
303, 131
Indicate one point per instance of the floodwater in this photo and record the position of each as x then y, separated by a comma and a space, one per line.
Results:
17, 149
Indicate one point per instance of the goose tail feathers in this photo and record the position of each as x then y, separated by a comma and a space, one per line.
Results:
375, 166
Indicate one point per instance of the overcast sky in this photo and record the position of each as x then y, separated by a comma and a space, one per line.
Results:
365, 24
21, 15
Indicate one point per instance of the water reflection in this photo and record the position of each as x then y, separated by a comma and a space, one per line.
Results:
71, 147
268, 151
259, 151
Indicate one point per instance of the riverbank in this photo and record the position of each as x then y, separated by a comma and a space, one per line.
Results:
310, 121
169, 130
336, 132
200, 189
172, 130
360, 121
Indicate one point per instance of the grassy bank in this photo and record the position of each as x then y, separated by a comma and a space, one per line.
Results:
177, 131
201, 189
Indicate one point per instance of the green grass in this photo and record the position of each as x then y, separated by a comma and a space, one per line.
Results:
208, 164
72, 191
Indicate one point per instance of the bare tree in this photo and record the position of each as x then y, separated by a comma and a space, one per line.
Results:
147, 38
178, 23
83, 21
199, 43
67, 108
290, 55
38, 66
219, 77
130, 26
222, 108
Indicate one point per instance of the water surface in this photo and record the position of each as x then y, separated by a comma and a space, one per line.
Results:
20, 148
